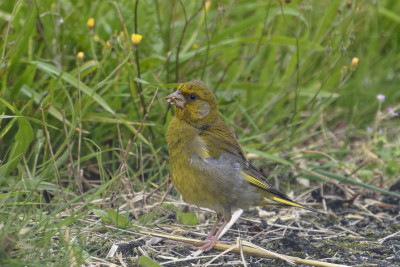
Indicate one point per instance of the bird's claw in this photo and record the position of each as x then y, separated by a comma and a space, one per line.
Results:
209, 243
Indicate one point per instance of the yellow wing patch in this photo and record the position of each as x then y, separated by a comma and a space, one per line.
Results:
205, 154
271, 195
255, 181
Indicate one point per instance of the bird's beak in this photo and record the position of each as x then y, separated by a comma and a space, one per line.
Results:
176, 99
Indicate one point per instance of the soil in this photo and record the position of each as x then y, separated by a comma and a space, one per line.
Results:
362, 231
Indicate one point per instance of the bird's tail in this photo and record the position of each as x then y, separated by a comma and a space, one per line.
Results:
289, 202
272, 198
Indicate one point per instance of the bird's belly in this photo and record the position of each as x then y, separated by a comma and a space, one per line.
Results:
193, 187
198, 186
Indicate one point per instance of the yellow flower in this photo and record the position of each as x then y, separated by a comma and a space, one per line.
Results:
195, 46
136, 38
80, 56
90, 23
354, 62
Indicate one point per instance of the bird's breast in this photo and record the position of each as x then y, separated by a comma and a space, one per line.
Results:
186, 148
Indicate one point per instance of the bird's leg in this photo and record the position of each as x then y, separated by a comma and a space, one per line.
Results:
211, 240
214, 227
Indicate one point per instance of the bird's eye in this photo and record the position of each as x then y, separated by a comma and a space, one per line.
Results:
193, 96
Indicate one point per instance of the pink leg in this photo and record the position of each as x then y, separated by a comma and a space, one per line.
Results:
219, 217
211, 240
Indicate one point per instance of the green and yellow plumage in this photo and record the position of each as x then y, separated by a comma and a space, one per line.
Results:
207, 164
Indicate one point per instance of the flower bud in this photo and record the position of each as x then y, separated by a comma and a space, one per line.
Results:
80, 56
380, 97
136, 38
90, 23
354, 62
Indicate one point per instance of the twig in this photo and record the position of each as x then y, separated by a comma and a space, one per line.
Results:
347, 230
326, 231
163, 66
161, 201
296, 95
142, 174
208, 43
189, 258
264, 28
52, 156
201, 43
40, 29
224, 72
100, 260
155, 190
221, 254
389, 236
71, 160
178, 47
348, 174
121, 148
362, 165
130, 206
128, 46
323, 199
130, 144
119, 135
139, 85
78, 166
126, 175
239, 242
279, 256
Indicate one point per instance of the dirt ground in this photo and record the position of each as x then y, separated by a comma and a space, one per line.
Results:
364, 231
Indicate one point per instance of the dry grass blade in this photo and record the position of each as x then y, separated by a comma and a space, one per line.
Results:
128, 148
159, 204
71, 160
73, 260
221, 254
389, 236
132, 141
252, 251
282, 257
240, 244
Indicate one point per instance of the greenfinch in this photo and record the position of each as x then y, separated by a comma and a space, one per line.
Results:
207, 164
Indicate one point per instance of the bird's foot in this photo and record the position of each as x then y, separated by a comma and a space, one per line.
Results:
209, 243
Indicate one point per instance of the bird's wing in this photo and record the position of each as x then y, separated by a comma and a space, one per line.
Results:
221, 142
253, 176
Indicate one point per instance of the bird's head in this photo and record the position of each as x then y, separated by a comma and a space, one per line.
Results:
194, 103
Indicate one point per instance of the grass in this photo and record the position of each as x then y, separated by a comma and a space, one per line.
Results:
284, 75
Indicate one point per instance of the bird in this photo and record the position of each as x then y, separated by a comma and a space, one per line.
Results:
207, 165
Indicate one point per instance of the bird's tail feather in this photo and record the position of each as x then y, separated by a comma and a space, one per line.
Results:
292, 203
